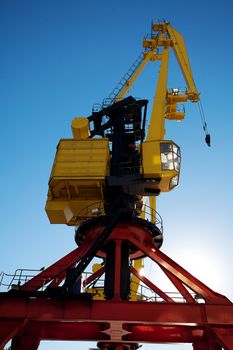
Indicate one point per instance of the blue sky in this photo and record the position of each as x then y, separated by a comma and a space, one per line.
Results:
60, 57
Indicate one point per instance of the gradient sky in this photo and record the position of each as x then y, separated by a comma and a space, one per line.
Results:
58, 58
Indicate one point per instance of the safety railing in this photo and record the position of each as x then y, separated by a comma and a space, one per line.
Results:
143, 294
96, 209
178, 91
20, 277
153, 216
123, 82
91, 211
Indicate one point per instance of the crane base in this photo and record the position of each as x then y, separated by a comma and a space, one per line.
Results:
29, 315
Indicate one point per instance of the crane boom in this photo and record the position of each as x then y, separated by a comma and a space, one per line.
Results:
156, 129
129, 83
165, 102
164, 36
180, 51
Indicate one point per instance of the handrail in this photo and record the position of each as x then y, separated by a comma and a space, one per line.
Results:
96, 209
144, 294
20, 277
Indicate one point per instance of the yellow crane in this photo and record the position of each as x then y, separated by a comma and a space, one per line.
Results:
109, 156
83, 168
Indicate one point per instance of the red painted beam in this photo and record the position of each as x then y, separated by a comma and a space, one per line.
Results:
64, 318
10, 328
67, 330
95, 275
79, 331
225, 337
22, 342
151, 285
179, 272
52, 272
162, 334
47, 309
56, 270
179, 286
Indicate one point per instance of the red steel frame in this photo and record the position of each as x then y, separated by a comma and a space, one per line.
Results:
28, 316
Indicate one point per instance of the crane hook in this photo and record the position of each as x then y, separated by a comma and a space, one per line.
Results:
207, 139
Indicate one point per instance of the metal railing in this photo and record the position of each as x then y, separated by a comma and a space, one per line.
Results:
144, 293
20, 277
91, 211
123, 82
96, 209
153, 216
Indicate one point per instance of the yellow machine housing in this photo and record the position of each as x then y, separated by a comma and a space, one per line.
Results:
81, 167
77, 181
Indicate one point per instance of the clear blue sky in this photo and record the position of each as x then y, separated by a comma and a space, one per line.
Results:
58, 58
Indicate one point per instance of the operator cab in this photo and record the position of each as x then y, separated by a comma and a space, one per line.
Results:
161, 162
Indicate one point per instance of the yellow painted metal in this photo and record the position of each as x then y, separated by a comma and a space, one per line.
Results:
81, 159
165, 103
180, 51
152, 201
80, 128
72, 211
97, 292
96, 267
173, 97
76, 185
171, 112
147, 57
167, 37
135, 282
152, 166
156, 130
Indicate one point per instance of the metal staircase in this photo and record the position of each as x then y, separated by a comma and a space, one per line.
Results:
123, 82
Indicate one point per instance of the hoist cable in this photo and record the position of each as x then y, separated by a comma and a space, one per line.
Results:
204, 124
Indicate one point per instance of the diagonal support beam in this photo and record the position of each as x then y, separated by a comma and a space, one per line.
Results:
95, 275
179, 286
184, 276
55, 270
152, 286
8, 331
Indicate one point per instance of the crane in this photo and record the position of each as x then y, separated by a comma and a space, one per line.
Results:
111, 165
123, 160
98, 183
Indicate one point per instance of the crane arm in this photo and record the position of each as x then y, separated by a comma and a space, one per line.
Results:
166, 36
128, 84
156, 130
179, 48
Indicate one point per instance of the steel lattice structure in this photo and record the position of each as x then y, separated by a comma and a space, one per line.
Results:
29, 315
